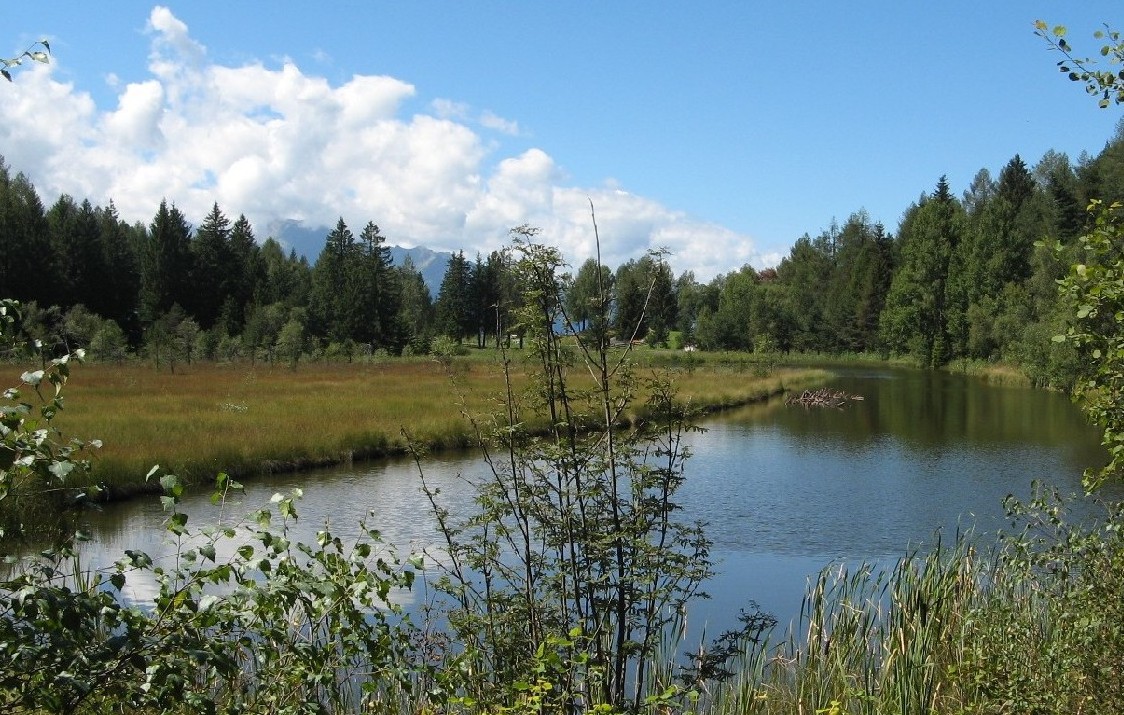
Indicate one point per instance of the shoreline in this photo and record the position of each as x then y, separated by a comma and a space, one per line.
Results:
127, 490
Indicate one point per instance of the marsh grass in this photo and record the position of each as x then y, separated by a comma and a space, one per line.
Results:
1033, 624
1001, 374
244, 419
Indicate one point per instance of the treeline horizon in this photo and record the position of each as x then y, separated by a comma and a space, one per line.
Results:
970, 277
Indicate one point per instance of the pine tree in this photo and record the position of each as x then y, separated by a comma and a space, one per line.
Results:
211, 268
118, 293
488, 278
415, 307
166, 264
856, 290
915, 321
644, 293
803, 275
76, 244
245, 274
27, 269
589, 294
454, 314
335, 304
378, 293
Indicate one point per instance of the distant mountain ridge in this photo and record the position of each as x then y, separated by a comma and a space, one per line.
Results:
308, 242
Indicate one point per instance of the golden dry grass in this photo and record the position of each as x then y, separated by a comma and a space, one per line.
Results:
238, 418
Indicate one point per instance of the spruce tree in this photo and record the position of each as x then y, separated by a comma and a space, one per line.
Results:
915, 320
211, 268
335, 304
454, 314
166, 264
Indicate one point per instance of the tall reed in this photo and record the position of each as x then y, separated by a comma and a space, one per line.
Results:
1033, 624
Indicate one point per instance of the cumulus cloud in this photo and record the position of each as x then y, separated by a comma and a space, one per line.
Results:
279, 144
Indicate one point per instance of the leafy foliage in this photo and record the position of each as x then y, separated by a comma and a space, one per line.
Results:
243, 621
32, 52
1094, 292
1106, 84
574, 529
36, 461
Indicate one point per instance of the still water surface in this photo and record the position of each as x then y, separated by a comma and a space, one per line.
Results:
785, 490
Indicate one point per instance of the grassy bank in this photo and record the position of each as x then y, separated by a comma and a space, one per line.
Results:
244, 419
990, 372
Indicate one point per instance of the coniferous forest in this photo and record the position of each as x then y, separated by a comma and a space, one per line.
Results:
969, 274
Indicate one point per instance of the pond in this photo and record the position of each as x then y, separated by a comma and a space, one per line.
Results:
785, 490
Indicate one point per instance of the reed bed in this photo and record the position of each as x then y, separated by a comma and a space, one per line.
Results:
244, 419
1002, 374
1030, 625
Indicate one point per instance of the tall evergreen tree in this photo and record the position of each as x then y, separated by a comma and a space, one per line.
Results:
644, 299
993, 260
76, 244
856, 290
335, 303
378, 292
804, 273
415, 307
278, 276
166, 264
119, 290
489, 309
454, 310
915, 319
245, 274
980, 192
27, 269
211, 268
589, 295
1058, 178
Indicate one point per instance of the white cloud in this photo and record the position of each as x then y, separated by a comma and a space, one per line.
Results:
278, 144
490, 120
450, 109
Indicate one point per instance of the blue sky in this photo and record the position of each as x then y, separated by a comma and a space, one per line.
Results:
721, 130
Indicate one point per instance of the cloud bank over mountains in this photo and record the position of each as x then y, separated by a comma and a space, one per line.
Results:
278, 144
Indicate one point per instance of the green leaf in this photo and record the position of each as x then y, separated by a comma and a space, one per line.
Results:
171, 485
177, 523
287, 509
138, 559
61, 469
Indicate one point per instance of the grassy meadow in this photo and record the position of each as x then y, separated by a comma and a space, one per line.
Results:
243, 419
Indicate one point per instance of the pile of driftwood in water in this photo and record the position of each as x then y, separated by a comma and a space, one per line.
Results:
823, 397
